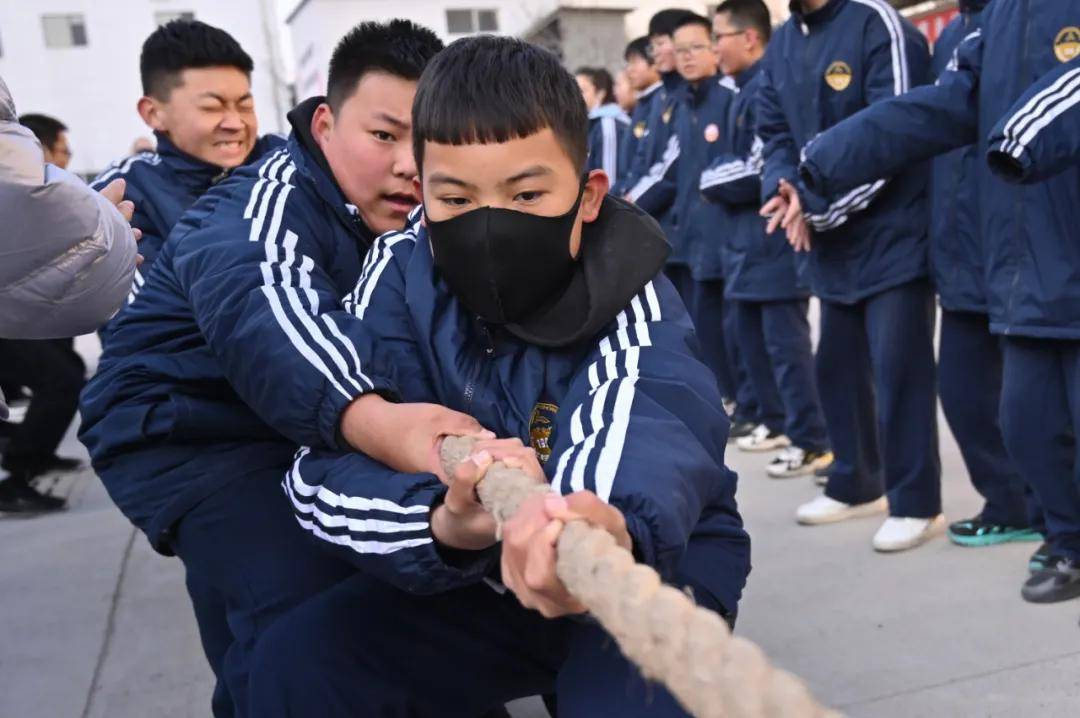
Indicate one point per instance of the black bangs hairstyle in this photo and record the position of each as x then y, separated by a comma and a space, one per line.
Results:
488, 89
182, 44
748, 15
693, 19
638, 47
665, 22
399, 47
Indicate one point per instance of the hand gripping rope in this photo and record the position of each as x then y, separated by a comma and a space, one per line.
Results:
671, 639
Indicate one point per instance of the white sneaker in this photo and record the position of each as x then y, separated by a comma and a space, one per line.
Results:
900, 534
761, 439
824, 510
793, 461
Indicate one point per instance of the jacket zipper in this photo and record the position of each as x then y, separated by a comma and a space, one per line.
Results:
468, 394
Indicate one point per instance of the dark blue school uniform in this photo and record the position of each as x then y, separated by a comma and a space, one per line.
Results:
608, 388
762, 282
1032, 266
868, 262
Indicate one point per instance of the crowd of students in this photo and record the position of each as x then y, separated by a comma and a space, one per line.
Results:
794, 162
590, 289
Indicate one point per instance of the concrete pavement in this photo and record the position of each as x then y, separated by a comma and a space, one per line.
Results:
95, 625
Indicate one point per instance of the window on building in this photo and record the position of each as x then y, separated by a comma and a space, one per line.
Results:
64, 30
464, 22
164, 16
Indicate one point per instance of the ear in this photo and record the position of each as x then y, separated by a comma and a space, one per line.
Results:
152, 113
596, 188
753, 39
418, 189
322, 124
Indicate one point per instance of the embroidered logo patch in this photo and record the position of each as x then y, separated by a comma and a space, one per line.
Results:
712, 133
541, 425
838, 76
1067, 44
639, 129
666, 117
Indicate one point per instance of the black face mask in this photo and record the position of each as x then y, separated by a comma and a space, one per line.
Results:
502, 264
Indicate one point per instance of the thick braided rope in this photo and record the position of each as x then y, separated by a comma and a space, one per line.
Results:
672, 640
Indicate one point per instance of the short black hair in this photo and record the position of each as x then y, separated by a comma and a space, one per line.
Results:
399, 47
179, 45
601, 79
488, 88
692, 18
638, 47
46, 129
748, 15
665, 22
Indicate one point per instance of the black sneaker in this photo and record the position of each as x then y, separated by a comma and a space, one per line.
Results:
1059, 581
31, 466
18, 497
976, 532
740, 429
1040, 559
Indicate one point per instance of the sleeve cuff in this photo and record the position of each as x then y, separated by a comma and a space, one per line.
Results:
441, 568
335, 403
1006, 165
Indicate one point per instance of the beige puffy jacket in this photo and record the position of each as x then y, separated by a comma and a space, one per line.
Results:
67, 256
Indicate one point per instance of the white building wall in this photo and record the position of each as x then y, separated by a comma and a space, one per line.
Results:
94, 89
316, 25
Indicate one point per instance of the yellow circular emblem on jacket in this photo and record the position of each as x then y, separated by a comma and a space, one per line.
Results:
1067, 44
838, 76
541, 424
666, 117
639, 130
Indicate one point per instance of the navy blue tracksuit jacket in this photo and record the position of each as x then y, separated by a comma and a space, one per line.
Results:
1032, 276
608, 126
637, 134
673, 183
956, 251
619, 404
654, 149
163, 184
819, 69
233, 353
757, 267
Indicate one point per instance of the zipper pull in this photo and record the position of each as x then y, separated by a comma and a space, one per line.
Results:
489, 344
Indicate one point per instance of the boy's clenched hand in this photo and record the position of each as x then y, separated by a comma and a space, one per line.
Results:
405, 437
461, 521
529, 540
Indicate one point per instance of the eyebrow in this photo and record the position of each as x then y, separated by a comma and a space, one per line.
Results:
387, 117
219, 98
528, 173
442, 178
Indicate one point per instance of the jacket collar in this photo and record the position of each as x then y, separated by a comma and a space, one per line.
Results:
191, 171
672, 81
747, 75
650, 90
311, 163
819, 17
972, 6
609, 109
705, 87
